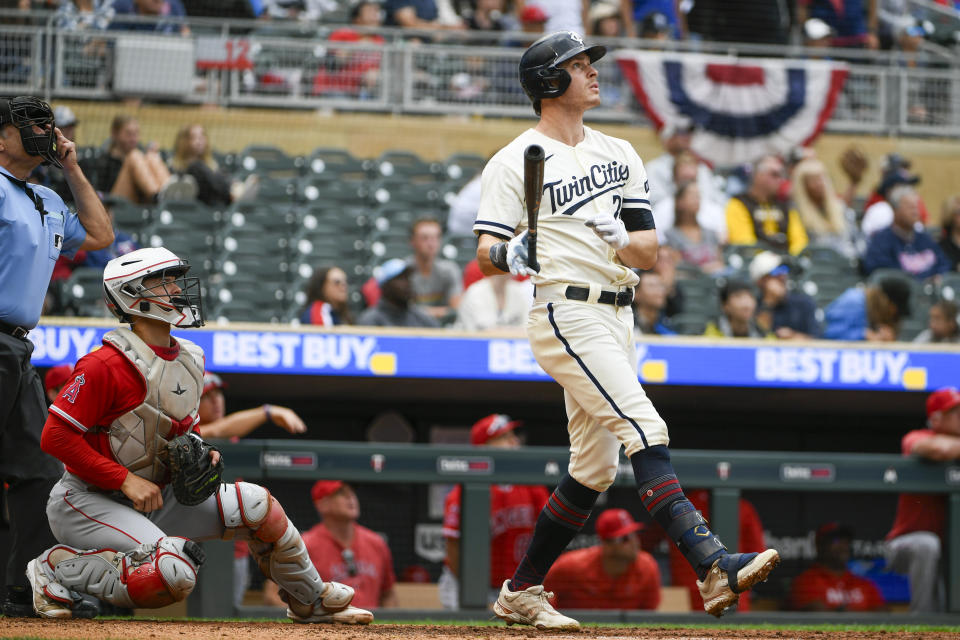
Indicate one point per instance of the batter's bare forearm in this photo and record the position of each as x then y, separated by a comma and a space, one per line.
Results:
641, 253
484, 243
93, 217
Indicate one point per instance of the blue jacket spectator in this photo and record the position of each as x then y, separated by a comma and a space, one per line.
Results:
902, 245
872, 314
846, 18
150, 9
790, 315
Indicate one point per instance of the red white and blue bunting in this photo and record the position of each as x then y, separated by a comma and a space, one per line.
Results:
740, 109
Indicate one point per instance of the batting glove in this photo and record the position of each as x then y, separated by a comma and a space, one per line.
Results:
517, 256
610, 230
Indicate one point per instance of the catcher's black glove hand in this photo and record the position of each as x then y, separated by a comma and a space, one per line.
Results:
193, 476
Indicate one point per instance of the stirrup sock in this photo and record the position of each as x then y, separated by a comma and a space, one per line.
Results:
560, 520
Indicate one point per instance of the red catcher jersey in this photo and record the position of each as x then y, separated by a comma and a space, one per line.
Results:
918, 512
513, 514
104, 386
372, 562
845, 592
578, 581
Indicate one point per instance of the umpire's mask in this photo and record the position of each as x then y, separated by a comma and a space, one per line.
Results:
25, 112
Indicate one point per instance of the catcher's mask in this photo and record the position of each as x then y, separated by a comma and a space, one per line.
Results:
126, 295
26, 112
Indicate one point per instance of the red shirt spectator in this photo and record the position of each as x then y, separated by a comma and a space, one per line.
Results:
828, 585
615, 574
367, 565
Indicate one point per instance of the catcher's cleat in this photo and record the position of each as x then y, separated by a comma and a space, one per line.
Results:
733, 574
531, 606
50, 600
333, 607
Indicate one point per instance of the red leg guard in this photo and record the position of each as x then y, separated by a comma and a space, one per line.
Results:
274, 524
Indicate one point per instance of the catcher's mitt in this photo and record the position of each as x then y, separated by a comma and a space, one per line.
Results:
193, 477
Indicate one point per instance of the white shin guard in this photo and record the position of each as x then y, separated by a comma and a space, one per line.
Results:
150, 576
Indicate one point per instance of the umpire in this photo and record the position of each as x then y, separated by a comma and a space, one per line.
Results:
35, 227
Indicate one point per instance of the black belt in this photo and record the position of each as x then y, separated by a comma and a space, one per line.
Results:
13, 330
620, 299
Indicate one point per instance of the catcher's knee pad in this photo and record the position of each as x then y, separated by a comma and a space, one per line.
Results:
150, 576
243, 504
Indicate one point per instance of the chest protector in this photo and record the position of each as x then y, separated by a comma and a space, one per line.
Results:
169, 408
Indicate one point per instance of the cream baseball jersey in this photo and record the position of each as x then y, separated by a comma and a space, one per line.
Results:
602, 174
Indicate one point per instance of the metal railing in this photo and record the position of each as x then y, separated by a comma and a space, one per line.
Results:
247, 63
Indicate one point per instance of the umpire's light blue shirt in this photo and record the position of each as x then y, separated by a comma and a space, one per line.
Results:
29, 248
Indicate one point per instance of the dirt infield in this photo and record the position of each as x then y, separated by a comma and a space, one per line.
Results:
180, 630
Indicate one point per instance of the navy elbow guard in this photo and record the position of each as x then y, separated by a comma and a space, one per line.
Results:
498, 256
637, 219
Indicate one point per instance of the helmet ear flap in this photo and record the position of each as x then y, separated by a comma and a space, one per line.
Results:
554, 81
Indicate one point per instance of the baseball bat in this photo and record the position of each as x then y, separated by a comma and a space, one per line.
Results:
533, 159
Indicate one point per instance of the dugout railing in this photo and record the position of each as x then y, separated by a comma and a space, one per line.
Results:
294, 65
724, 473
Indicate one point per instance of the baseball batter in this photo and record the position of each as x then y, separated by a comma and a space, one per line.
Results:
125, 538
595, 224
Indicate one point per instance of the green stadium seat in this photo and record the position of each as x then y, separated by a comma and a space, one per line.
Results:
408, 165
464, 166
82, 293
270, 161
420, 196
338, 163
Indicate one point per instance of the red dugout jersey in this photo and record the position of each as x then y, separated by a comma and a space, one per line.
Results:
918, 512
371, 571
578, 581
513, 514
845, 592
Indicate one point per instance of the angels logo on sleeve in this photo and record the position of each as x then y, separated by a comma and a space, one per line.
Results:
71, 391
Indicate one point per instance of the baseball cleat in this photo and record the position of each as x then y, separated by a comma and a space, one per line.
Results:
50, 600
333, 607
531, 606
733, 574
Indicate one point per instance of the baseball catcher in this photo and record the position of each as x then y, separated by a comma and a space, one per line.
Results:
141, 486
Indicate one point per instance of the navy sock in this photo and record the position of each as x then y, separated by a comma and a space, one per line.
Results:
562, 517
664, 500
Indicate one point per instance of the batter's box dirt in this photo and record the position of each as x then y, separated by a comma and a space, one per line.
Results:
190, 630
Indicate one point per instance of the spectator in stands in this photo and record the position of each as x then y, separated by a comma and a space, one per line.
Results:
943, 325
757, 216
950, 237
903, 245
817, 34
83, 15
67, 120
126, 171
345, 550
900, 29
123, 242
169, 16
698, 246
915, 542
878, 209
513, 513
759, 21
532, 20
54, 380
738, 313
297, 9
419, 14
564, 15
871, 313
489, 15
829, 585
395, 308
437, 283
649, 305
349, 72
789, 315
615, 574
657, 26
605, 20
327, 298
825, 216
667, 260
710, 213
676, 139
751, 540
853, 23
193, 156
495, 302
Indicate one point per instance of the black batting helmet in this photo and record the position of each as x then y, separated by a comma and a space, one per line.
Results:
540, 75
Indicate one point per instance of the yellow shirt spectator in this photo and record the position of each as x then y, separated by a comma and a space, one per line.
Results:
749, 220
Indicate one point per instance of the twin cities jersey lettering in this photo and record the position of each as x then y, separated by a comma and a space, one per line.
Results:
600, 175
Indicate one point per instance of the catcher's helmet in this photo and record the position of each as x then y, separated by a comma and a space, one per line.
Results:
540, 75
23, 112
126, 296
